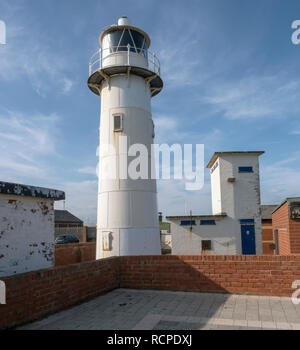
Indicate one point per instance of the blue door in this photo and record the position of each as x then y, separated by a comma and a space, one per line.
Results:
248, 239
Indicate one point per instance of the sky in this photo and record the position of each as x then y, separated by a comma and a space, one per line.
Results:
231, 82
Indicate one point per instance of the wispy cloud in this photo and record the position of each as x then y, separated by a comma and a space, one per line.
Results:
88, 170
255, 97
28, 54
24, 141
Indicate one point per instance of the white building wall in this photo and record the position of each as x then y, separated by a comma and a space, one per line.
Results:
222, 235
26, 234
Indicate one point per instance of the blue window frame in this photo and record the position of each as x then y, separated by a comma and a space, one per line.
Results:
245, 169
187, 222
246, 221
207, 222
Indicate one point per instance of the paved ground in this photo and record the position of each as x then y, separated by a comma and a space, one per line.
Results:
137, 309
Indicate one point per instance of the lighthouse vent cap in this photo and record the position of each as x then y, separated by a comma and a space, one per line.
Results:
123, 21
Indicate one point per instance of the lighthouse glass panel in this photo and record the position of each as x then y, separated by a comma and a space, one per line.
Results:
119, 39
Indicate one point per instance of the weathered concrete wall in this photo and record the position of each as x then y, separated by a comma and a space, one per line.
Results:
73, 253
26, 234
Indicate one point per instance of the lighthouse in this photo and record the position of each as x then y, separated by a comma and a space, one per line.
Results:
126, 75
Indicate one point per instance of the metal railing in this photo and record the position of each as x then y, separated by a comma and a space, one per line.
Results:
102, 55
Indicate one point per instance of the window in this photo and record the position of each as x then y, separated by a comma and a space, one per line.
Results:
206, 245
187, 222
207, 222
117, 40
245, 169
118, 122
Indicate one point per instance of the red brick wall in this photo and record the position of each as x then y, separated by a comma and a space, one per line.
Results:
261, 275
73, 253
35, 294
280, 221
295, 235
38, 293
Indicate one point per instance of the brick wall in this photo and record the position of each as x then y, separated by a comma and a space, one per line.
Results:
260, 275
288, 230
73, 253
35, 294
294, 229
280, 221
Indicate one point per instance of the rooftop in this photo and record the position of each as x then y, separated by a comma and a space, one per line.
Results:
64, 216
267, 210
10, 188
217, 154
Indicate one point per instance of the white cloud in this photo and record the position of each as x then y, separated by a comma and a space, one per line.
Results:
81, 199
281, 179
89, 170
255, 97
32, 56
24, 141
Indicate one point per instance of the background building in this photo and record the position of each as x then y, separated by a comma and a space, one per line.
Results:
67, 223
235, 226
286, 226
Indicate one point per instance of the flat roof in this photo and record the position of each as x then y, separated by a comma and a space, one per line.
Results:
217, 154
218, 216
289, 200
30, 191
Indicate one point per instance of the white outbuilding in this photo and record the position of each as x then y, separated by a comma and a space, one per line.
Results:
235, 224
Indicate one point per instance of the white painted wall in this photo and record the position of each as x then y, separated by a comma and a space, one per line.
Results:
241, 198
26, 234
223, 237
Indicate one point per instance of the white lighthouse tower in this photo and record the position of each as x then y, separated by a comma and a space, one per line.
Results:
125, 75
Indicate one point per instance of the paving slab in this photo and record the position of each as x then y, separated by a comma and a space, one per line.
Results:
124, 309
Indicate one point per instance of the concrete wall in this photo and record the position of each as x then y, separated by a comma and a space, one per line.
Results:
225, 237
26, 234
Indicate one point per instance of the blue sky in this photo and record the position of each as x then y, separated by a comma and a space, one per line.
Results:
231, 82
